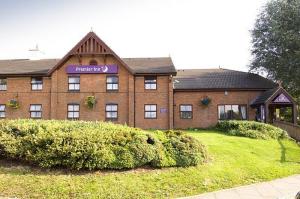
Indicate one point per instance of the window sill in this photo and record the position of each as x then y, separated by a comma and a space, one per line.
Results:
74, 91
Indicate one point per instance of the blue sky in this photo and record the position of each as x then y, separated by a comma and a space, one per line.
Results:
195, 33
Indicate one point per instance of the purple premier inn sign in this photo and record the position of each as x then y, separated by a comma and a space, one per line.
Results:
91, 69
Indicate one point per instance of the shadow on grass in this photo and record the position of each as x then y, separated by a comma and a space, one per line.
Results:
283, 151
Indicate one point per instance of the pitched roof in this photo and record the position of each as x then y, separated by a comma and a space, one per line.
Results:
151, 65
89, 44
26, 66
42, 67
269, 95
201, 79
261, 99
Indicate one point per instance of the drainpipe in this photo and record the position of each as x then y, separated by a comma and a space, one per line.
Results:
133, 101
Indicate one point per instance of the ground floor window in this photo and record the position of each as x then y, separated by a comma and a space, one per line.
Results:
232, 112
36, 111
111, 112
2, 111
150, 111
73, 111
186, 111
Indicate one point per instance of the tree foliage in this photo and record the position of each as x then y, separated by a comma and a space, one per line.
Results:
276, 43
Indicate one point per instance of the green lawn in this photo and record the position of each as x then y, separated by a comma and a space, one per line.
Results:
234, 161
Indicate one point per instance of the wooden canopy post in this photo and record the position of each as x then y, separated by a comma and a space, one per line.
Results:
295, 113
267, 116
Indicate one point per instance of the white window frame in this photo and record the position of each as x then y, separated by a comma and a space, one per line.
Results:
111, 112
186, 108
73, 111
2, 111
35, 111
150, 111
36, 83
150, 82
112, 83
74, 85
3, 84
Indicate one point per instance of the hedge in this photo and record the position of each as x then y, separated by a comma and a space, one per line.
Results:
251, 129
96, 145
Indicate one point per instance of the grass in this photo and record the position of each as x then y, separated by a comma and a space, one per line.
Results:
234, 161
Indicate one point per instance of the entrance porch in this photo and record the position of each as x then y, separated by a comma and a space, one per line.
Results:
273, 104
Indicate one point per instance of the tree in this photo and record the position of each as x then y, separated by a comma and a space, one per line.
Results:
276, 43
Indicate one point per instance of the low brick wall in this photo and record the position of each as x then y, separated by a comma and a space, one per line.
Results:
292, 129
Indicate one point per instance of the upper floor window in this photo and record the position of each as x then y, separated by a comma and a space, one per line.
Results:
111, 112
150, 82
186, 111
74, 83
36, 83
150, 111
3, 84
73, 111
232, 112
2, 110
112, 83
35, 111
93, 62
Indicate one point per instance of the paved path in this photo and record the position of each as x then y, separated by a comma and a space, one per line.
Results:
285, 188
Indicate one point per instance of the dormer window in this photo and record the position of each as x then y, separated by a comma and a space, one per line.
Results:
3, 84
36, 83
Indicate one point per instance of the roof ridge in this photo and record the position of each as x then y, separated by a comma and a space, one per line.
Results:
202, 69
144, 57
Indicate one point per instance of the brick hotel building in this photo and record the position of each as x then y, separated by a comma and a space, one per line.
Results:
141, 92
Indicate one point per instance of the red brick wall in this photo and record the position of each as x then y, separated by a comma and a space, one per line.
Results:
160, 97
130, 98
204, 117
90, 85
19, 88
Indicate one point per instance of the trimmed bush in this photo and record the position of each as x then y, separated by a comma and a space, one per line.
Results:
251, 129
96, 145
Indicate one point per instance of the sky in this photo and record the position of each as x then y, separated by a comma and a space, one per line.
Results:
195, 33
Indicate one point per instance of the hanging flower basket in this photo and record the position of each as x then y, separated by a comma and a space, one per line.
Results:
13, 103
90, 101
205, 101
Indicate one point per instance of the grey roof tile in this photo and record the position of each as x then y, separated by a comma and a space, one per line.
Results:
151, 65
138, 65
219, 79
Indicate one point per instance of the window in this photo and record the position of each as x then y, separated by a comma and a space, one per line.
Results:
186, 111
112, 83
150, 82
73, 111
111, 112
36, 111
232, 112
3, 84
93, 62
36, 83
2, 110
150, 111
74, 83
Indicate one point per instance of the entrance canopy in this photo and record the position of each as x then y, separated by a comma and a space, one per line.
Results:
272, 99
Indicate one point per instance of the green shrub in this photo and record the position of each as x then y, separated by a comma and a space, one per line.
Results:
96, 145
251, 129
